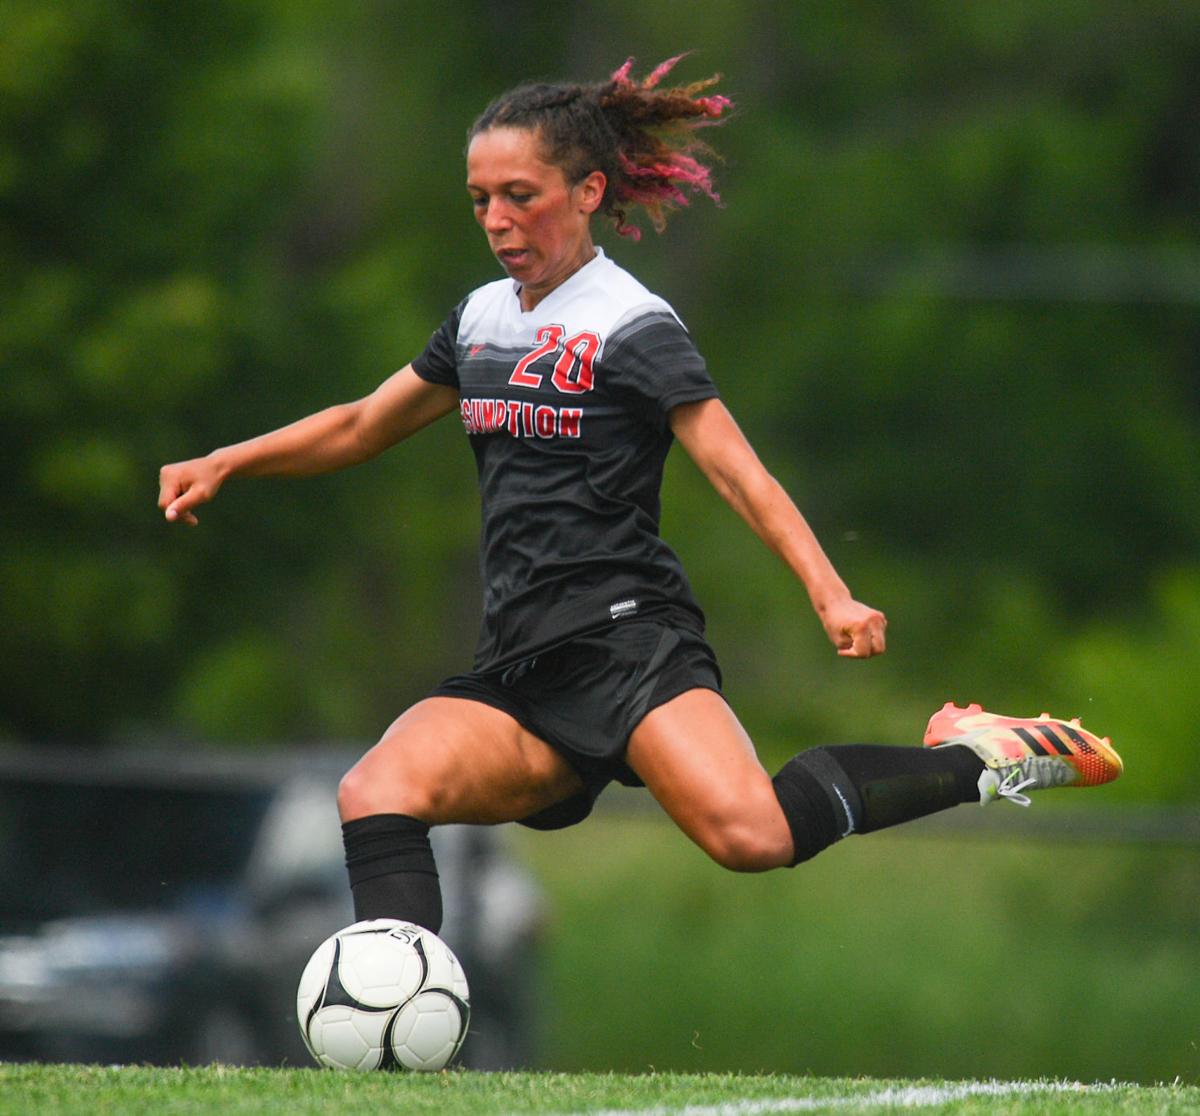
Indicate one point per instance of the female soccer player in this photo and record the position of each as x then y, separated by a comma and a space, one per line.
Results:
572, 380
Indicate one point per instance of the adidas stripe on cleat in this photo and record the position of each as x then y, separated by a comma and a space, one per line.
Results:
1025, 753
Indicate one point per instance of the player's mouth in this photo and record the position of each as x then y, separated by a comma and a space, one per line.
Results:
512, 257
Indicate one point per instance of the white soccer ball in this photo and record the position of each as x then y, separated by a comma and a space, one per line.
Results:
383, 994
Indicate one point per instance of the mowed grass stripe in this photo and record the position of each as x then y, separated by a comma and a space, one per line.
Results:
100, 1091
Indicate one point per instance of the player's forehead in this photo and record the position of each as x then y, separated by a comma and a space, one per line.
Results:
503, 156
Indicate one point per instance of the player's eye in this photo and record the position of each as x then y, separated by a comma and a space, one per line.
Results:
521, 199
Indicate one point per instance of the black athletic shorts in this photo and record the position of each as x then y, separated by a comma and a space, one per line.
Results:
585, 697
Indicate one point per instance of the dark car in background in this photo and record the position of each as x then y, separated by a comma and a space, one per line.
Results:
159, 907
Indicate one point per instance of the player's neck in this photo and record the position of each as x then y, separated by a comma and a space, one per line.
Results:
531, 294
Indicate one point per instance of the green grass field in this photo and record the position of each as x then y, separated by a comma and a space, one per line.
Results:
93, 1091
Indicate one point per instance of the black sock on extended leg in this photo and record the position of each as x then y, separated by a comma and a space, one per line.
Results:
828, 793
818, 801
392, 871
900, 784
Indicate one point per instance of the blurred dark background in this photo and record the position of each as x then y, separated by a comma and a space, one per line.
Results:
951, 296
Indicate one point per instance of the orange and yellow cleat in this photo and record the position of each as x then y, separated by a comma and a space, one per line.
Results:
1025, 753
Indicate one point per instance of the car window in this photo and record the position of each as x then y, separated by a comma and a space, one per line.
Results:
74, 848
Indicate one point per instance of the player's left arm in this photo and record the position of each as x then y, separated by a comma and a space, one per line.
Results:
714, 441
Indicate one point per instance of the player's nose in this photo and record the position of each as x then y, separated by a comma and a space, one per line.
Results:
496, 218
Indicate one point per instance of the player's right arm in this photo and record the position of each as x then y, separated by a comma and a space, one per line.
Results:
332, 439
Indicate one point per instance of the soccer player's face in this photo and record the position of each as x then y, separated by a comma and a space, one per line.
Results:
537, 224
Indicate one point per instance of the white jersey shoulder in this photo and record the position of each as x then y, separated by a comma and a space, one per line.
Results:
600, 297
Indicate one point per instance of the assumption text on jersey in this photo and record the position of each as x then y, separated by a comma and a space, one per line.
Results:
521, 420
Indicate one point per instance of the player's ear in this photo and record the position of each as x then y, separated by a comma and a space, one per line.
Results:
590, 192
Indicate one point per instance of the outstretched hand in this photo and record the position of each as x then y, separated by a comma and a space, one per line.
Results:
186, 485
856, 630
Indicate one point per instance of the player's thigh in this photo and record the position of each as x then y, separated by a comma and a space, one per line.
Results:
454, 760
699, 763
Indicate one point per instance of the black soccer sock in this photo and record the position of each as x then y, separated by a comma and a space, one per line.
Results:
899, 784
828, 793
392, 871
819, 802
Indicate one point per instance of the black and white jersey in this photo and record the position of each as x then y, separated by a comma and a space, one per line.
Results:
566, 410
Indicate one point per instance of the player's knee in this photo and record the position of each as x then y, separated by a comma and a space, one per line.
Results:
353, 797
743, 847
364, 791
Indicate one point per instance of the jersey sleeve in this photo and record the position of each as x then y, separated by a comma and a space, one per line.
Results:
651, 365
439, 362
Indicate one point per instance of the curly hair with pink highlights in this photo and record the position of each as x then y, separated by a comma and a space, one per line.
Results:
642, 137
